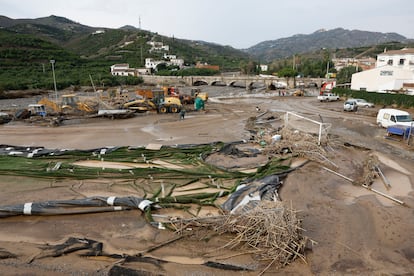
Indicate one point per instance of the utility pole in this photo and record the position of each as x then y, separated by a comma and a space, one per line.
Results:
54, 78
293, 65
327, 70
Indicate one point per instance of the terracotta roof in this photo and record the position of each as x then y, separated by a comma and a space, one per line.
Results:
399, 52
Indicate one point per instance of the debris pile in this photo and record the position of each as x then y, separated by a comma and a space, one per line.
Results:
369, 170
297, 143
271, 231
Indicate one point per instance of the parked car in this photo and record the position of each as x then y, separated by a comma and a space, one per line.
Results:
390, 117
363, 103
351, 105
328, 97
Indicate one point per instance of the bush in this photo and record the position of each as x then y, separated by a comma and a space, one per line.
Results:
386, 99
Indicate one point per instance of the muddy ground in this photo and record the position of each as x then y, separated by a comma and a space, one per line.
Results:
353, 230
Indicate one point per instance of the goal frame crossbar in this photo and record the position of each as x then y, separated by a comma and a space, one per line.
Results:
323, 128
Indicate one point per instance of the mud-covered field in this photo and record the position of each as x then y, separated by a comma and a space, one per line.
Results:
351, 229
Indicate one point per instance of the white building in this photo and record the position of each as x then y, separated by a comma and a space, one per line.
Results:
394, 70
170, 56
264, 68
403, 58
151, 63
122, 70
143, 71
158, 46
177, 62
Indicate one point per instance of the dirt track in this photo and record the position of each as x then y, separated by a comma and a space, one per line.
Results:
355, 231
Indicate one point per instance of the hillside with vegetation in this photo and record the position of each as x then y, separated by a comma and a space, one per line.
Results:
81, 52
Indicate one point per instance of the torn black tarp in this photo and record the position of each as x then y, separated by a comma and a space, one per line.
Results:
251, 192
231, 149
76, 206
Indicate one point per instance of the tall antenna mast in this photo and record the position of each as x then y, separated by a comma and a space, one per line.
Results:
140, 22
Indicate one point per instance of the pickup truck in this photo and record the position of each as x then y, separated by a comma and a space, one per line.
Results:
328, 97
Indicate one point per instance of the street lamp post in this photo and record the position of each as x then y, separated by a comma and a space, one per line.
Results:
54, 78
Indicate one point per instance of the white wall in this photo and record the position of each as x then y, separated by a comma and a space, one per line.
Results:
381, 79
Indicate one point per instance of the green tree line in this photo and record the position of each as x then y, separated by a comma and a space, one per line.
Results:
381, 99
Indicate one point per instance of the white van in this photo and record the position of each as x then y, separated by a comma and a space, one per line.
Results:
389, 117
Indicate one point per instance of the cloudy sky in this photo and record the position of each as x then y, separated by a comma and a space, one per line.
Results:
238, 23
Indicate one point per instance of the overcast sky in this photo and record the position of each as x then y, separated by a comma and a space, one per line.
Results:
238, 23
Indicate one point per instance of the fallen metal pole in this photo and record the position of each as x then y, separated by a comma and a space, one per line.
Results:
366, 187
341, 175
384, 179
384, 195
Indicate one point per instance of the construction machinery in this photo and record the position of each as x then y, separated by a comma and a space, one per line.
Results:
327, 87
116, 97
299, 93
37, 110
196, 93
69, 103
154, 99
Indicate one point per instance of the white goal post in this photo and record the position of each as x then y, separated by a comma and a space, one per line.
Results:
301, 123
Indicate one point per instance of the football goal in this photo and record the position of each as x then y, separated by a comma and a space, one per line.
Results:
301, 123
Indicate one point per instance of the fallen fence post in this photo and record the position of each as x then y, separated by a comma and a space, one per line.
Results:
341, 175
366, 187
384, 195
384, 179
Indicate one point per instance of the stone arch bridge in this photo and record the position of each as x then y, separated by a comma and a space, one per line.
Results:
249, 82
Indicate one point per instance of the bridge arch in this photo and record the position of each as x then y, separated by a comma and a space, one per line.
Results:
236, 83
218, 83
200, 82
255, 84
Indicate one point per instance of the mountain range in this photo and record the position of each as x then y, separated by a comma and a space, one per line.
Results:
321, 39
79, 39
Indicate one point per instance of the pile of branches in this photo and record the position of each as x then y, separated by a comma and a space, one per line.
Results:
297, 143
270, 231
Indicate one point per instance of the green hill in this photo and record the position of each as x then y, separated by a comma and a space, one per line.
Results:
28, 45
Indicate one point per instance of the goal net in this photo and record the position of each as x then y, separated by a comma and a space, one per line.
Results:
307, 125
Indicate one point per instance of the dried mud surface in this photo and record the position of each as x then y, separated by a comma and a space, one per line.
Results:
354, 231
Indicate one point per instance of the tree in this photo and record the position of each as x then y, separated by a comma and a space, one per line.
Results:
287, 72
345, 74
249, 68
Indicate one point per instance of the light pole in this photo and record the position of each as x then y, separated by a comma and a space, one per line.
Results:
54, 78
